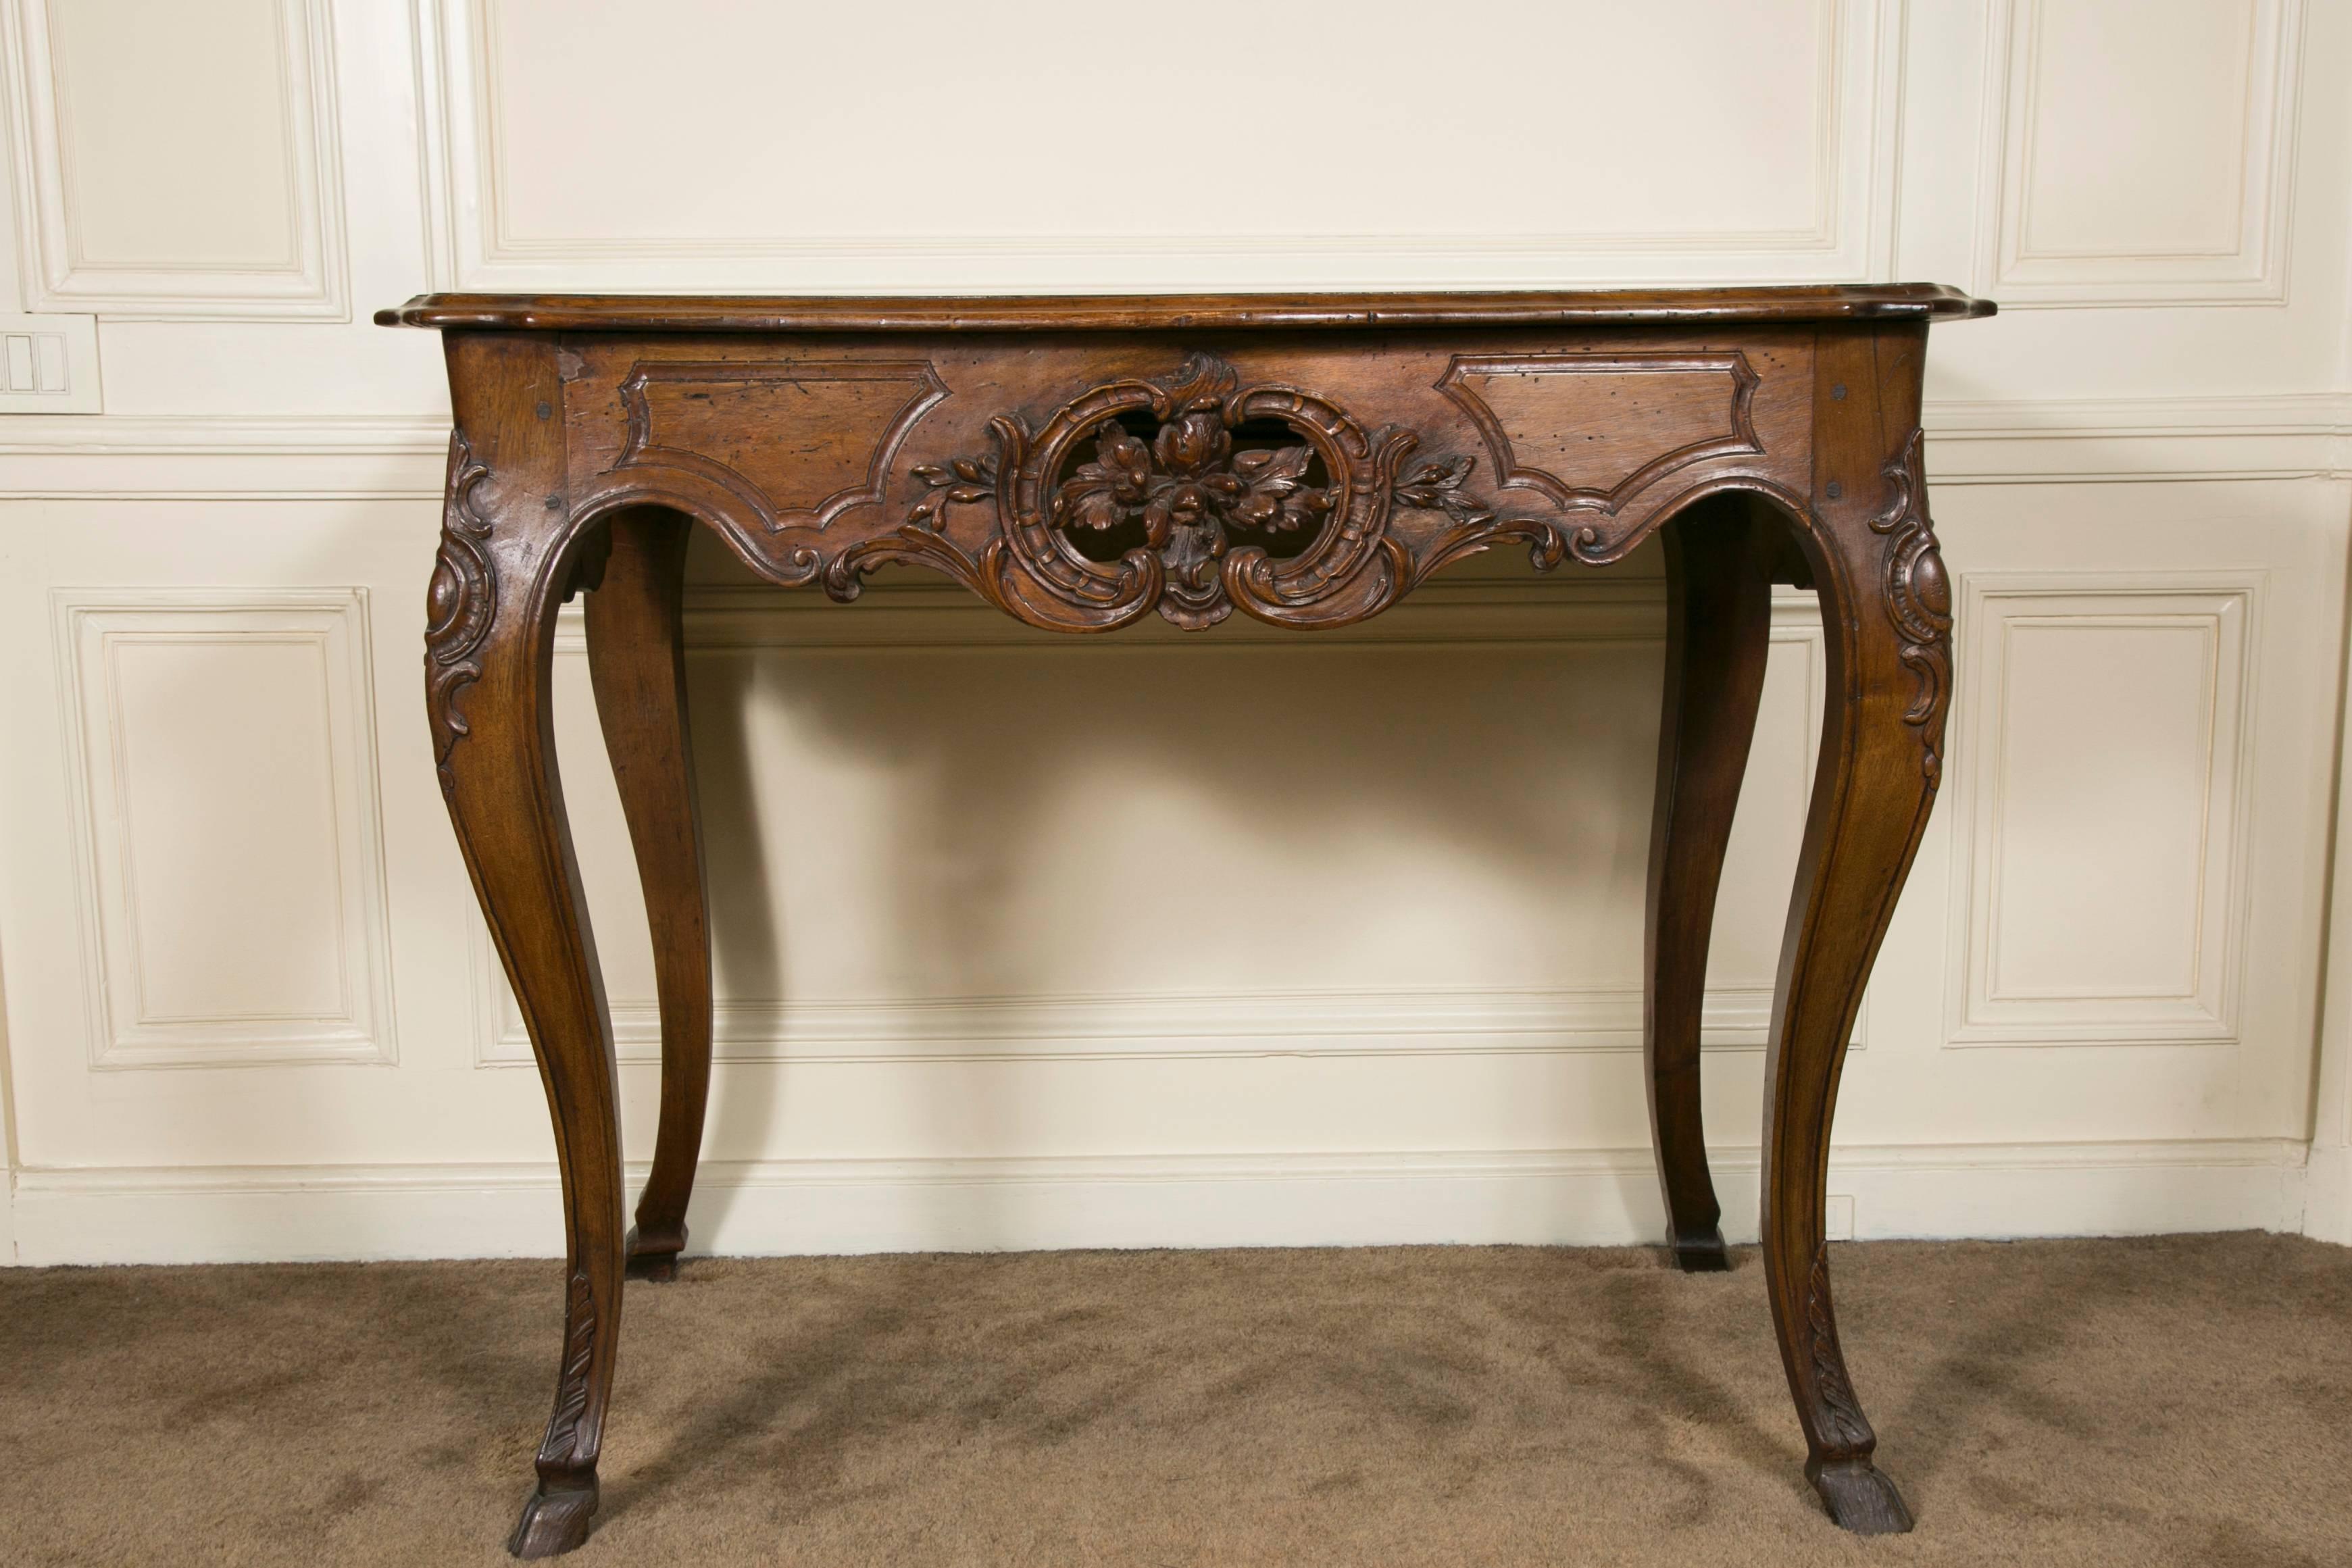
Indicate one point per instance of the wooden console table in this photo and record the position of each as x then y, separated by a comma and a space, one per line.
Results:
1081, 464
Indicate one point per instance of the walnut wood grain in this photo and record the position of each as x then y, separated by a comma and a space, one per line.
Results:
495, 733
1080, 481
1080, 464
1180, 312
636, 664
1718, 630
1881, 739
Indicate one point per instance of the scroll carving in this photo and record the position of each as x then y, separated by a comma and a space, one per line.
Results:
1842, 1423
1159, 461
1918, 598
460, 604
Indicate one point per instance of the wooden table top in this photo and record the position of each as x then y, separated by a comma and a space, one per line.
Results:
1182, 312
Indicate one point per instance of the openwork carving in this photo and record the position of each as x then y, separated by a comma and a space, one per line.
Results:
1918, 598
460, 604
1206, 511
1842, 1421
1191, 494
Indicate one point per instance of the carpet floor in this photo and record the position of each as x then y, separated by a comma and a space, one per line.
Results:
2175, 1400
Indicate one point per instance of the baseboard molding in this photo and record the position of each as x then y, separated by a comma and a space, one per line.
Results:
2327, 1194
1591, 1197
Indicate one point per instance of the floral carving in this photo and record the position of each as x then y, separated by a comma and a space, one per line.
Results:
1918, 598
1156, 465
1189, 489
460, 604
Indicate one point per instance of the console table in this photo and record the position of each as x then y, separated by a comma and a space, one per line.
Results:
1083, 462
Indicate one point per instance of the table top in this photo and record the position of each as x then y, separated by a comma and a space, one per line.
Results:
1183, 312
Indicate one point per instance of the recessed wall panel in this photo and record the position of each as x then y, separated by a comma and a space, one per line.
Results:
224, 770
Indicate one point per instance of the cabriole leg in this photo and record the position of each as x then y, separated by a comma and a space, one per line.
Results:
1886, 608
1718, 624
636, 659
507, 550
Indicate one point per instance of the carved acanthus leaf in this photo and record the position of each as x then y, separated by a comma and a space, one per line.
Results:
965, 479
1843, 1423
560, 1444
1439, 485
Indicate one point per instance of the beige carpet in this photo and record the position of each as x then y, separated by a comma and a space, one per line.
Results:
2183, 1400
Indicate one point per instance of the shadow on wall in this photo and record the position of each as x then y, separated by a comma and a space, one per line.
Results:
1024, 816
1164, 814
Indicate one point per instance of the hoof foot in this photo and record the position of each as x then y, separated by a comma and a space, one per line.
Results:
1859, 1499
552, 1522
659, 1267
1698, 1254
657, 1262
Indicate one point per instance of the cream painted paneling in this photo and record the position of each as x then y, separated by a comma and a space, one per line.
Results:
222, 749
137, 200
2143, 157
2201, 548
851, 944
1181, 967
933, 145
177, 160
2103, 821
